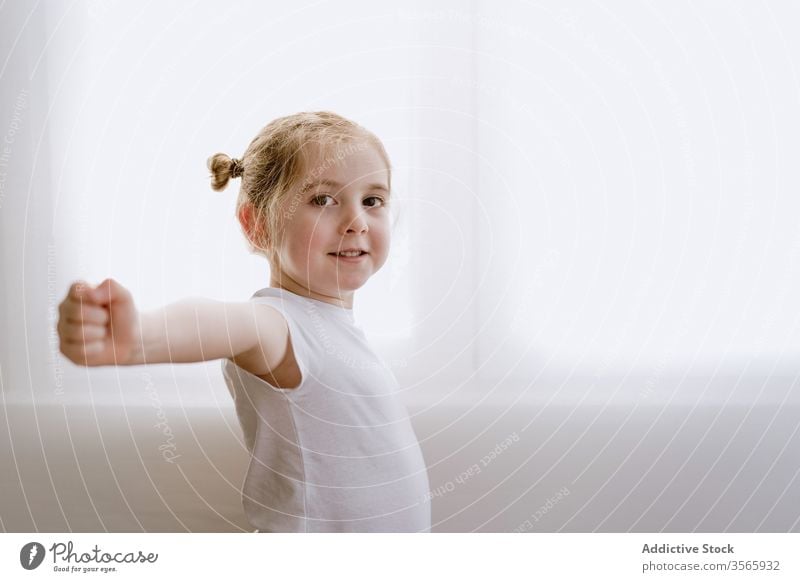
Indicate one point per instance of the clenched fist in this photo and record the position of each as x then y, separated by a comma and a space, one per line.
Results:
99, 326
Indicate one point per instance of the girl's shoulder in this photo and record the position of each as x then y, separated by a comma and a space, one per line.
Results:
273, 346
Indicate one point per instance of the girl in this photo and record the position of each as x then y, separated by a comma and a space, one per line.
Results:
332, 448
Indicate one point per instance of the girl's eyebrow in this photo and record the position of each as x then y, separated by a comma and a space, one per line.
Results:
335, 184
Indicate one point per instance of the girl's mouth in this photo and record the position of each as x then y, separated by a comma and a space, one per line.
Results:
349, 257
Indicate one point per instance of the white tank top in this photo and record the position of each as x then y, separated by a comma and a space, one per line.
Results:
337, 453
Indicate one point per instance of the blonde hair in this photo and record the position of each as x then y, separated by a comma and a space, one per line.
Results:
276, 161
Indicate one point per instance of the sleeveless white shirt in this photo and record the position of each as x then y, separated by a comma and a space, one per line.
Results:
337, 453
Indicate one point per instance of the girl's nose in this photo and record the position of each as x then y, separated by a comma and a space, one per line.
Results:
355, 222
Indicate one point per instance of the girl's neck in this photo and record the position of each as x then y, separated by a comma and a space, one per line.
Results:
282, 281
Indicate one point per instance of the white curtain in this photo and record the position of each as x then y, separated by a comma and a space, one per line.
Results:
589, 195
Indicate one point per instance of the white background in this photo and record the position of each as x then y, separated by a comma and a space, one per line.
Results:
590, 194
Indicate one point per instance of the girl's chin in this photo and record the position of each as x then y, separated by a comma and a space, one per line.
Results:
346, 285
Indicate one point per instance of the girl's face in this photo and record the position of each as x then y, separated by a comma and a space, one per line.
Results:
339, 205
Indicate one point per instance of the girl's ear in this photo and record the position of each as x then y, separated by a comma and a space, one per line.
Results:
247, 220
252, 227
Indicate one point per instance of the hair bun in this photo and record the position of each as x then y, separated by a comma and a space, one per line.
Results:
223, 168
237, 168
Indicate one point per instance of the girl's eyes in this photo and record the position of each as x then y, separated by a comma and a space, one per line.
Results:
378, 198
321, 198
316, 199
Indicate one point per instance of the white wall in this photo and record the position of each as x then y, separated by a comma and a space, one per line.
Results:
26, 260
639, 178
589, 192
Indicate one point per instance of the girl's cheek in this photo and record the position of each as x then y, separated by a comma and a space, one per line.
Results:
307, 229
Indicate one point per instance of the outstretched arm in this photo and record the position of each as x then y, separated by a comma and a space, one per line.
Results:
101, 326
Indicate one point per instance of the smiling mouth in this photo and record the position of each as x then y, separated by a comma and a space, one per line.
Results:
351, 255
